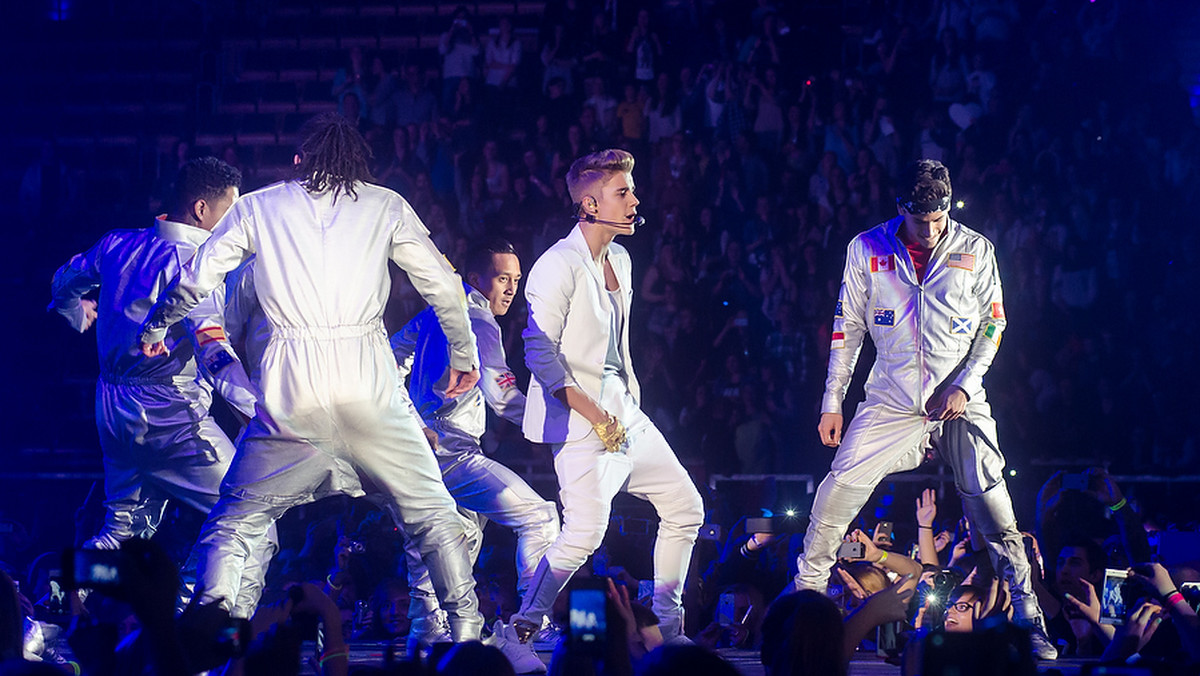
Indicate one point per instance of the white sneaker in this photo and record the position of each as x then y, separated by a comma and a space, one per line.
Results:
427, 630
522, 656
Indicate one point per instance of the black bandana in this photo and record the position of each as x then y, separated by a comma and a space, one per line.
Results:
914, 207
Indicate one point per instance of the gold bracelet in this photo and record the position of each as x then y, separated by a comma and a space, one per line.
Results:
611, 433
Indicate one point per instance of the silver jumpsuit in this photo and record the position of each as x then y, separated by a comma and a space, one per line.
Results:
929, 335
156, 434
330, 406
478, 483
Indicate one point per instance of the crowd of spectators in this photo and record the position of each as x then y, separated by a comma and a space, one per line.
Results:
764, 146
765, 140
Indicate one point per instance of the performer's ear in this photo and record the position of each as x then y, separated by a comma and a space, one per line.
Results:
199, 209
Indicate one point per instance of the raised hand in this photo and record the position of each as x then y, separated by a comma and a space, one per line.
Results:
926, 508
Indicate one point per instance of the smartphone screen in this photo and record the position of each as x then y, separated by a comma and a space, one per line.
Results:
726, 605
588, 621
97, 568
1112, 604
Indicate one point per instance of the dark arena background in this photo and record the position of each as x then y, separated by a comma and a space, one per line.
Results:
767, 134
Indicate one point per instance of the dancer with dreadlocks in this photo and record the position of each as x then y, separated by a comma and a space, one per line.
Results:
331, 406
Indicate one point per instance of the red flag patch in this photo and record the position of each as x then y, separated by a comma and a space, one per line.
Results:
883, 263
210, 334
963, 261
506, 380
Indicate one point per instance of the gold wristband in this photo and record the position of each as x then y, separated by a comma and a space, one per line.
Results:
611, 433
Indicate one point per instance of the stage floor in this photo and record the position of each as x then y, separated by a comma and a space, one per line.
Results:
746, 661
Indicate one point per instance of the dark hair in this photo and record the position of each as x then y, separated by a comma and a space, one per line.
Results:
333, 156
479, 258
1097, 559
667, 660
978, 590
803, 634
924, 182
474, 657
203, 178
12, 634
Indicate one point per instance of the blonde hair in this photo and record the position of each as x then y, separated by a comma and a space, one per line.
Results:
590, 169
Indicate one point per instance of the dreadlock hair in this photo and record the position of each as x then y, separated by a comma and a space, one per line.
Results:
924, 182
333, 156
203, 178
479, 258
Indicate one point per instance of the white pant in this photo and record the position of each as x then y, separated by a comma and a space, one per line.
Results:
589, 478
882, 440
277, 469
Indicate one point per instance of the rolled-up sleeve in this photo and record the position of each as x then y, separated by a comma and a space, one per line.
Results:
548, 293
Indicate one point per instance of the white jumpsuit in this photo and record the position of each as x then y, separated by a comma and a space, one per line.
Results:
928, 335
577, 331
478, 483
156, 435
330, 406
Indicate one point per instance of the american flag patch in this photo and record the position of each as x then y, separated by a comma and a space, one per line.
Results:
992, 333
838, 342
506, 380
210, 334
964, 261
883, 263
837, 309
997, 310
885, 317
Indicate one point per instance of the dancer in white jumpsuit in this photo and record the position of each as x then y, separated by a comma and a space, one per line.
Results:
584, 399
330, 406
478, 483
927, 290
156, 434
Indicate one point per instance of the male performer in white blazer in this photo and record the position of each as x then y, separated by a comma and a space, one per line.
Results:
584, 398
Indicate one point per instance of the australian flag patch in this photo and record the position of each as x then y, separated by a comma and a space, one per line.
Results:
219, 361
885, 317
837, 309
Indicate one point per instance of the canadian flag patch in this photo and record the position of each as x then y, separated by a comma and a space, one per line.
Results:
883, 263
997, 310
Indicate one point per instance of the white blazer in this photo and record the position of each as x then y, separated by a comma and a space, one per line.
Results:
566, 340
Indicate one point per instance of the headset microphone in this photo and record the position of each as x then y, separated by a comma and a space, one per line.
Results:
637, 221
